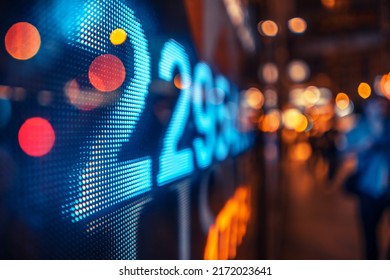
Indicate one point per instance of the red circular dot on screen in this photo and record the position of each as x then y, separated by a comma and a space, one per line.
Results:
36, 137
22, 40
107, 73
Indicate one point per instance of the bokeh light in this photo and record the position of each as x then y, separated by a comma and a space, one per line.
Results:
294, 119
5, 92
270, 122
178, 82
329, 4
270, 73
118, 36
302, 123
22, 41
311, 95
254, 98
107, 73
385, 85
297, 25
301, 151
36, 137
342, 101
5, 112
346, 111
364, 90
268, 28
298, 71
314, 113
271, 98
85, 99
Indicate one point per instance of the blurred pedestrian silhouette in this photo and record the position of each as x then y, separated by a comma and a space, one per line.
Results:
366, 154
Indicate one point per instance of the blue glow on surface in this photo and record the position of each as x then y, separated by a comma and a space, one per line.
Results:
5, 112
204, 115
102, 181
224, 119
175, 164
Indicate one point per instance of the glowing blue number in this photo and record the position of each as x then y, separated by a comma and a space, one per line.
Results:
224, 119
204, 115
175, 164
103, 181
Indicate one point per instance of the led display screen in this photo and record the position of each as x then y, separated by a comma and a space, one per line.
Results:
116, 140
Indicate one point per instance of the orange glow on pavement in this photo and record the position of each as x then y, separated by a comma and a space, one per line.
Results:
226, 235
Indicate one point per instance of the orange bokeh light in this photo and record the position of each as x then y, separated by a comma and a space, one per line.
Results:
268, 28
329, 4
297, 25
342, 101
270, 122
364, 90
301, 151
36, 137
107, 73
385, 85
254, 98
294, 119
22, 41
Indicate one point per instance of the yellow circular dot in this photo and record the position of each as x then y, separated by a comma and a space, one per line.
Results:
118, 36
297, 25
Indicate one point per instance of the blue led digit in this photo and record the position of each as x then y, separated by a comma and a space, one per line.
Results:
102, 181
204, 115
175, 164
224, 119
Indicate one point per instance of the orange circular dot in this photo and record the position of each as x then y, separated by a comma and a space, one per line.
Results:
364, 90
107, 72
342, 100
268, 28
36, 137
297, 25
22, 40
